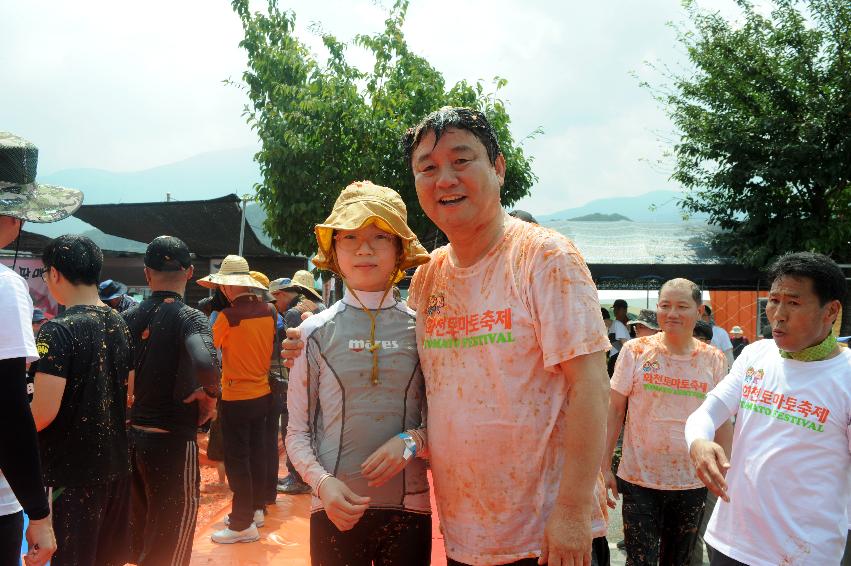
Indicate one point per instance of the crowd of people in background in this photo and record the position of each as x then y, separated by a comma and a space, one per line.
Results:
534, 408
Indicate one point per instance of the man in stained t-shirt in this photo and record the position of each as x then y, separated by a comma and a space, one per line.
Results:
79, 407
174, 389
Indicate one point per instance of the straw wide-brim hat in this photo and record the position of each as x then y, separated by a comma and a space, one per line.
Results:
303, 282
234, 271
360, 205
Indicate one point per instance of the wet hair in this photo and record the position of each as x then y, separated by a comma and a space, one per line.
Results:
76, 257
691, 286
448, 117
828, 280
702, 330
605, 312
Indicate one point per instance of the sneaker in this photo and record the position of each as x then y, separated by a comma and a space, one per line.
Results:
227, 536
259, 518
292, 486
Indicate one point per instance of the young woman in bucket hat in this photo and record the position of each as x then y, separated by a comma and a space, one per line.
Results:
357, 397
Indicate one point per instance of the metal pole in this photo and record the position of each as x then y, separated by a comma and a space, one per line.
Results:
242, 224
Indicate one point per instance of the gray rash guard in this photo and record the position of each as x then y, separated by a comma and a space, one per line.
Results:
337, 417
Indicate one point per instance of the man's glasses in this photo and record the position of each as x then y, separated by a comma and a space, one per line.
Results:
377, 242
44, 274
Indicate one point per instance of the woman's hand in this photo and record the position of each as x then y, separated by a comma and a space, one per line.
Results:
343, 506
385, 462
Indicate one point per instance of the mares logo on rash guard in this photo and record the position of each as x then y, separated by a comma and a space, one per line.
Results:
361, 345
797, 412
468, 330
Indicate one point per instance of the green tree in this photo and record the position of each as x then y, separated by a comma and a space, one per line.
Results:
764, 125
325, 125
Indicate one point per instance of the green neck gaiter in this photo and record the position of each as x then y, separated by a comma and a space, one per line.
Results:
815, 353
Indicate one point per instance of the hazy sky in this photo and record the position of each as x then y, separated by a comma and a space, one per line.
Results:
126, 86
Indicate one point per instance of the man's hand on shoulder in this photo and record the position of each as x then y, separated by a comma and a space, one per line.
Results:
292, 346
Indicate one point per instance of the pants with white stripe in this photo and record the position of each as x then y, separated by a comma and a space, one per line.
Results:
165, 496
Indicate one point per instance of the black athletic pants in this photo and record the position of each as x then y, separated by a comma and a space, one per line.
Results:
273, 426
719, 559
245, 438
600, 556
11, 537
165, 497
285, 419
660, 525
381, 537
92, 524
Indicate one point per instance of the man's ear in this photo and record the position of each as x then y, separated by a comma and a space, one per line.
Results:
55, 275
832, 311
190, 271
499, 166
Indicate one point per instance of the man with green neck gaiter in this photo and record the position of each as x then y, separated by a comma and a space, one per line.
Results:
784, 491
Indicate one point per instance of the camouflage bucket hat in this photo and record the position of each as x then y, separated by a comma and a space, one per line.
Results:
360, 205
20, 196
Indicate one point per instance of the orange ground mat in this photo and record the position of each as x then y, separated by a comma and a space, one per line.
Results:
284, 540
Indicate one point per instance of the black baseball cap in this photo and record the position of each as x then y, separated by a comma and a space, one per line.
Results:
167, 253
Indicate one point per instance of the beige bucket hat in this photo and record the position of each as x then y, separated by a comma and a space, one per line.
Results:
359, 205
303, 282
234, 271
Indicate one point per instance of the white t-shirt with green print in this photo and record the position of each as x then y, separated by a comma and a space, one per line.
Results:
790, 475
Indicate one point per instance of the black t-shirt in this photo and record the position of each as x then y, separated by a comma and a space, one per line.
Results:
165, 373
86, 444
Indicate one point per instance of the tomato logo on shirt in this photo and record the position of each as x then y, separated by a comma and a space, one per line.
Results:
436, 303
754, 375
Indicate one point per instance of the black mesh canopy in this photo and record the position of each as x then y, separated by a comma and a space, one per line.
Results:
209, 227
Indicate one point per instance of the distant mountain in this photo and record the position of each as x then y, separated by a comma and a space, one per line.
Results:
208, 175
218, 173
203, 176
600, 217
655, 206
